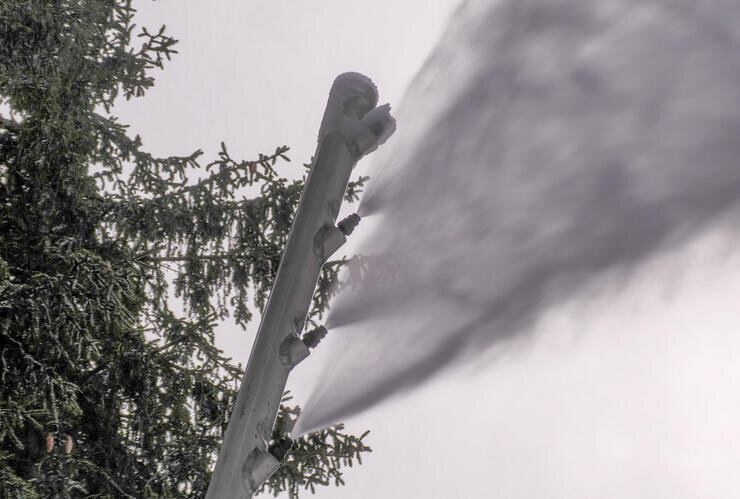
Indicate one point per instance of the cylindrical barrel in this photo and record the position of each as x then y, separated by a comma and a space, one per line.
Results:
343, 139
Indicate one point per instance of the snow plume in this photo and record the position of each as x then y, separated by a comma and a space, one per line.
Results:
544, 145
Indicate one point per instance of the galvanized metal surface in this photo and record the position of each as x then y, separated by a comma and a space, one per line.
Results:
350, 128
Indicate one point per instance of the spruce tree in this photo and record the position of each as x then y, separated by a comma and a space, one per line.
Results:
117, 265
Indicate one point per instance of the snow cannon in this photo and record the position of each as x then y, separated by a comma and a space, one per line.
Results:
352, 126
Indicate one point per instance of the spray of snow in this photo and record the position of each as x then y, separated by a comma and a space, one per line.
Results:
544, 145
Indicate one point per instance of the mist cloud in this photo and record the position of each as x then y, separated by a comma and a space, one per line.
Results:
543, 144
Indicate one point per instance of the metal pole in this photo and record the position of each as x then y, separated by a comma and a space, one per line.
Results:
351, 127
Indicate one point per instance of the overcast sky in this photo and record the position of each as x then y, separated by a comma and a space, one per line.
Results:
629, 394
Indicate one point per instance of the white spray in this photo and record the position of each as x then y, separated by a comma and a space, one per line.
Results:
544, 144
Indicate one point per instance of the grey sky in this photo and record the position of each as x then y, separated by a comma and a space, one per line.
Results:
256, 74
628, 394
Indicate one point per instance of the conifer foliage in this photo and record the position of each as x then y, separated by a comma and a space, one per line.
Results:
107, 389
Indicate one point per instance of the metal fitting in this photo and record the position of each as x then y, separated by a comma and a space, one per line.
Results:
349, 223
328, 239
280, 448
312, 338
292, 350
257, 468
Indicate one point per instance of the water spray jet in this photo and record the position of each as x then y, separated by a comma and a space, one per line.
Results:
546, 147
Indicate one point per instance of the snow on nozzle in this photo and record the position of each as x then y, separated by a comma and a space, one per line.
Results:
347, 226
313, 337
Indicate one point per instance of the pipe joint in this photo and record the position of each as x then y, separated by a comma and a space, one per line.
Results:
292, 351
257, 468
328, 239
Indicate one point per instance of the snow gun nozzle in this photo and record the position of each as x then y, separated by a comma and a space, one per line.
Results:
280, 448
347, 226
314, 337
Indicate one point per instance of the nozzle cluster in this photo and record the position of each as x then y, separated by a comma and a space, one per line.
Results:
349, 223
312, 338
